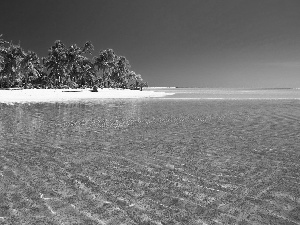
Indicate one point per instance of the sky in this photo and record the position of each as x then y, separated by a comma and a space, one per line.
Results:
183, 43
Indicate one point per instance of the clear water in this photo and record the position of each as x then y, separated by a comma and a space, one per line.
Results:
151, 161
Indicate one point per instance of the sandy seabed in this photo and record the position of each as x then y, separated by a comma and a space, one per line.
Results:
62, 95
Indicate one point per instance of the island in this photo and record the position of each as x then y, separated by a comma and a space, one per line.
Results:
65, 67
67, 73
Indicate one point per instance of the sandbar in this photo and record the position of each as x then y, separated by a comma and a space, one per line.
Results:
62, 95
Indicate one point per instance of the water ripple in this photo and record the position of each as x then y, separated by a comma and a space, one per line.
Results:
150, 162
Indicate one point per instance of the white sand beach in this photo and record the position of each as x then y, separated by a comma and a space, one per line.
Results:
62, 95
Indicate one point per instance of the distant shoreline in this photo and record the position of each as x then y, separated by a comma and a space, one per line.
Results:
246, 88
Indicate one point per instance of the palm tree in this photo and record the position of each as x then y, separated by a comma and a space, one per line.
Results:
88, 47
138, 80
88, 73
105, 62
2, 42
129, 78
56, 62
11, 57
87, 66
31, 67
2, 56
121, 73
73, 56
16, 65
77, 64
121, 70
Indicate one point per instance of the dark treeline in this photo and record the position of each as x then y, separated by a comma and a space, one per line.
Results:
65, 67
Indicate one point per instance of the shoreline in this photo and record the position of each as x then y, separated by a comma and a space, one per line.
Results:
65, 95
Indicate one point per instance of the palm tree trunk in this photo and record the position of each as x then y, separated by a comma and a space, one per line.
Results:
103, 77
26, 81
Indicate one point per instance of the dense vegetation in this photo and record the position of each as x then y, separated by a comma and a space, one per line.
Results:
65, 67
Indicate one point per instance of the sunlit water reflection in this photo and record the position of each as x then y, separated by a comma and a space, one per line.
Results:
153, 161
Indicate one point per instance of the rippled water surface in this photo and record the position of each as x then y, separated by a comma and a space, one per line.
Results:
151, 161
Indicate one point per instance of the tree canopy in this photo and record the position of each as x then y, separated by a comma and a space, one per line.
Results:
65, 67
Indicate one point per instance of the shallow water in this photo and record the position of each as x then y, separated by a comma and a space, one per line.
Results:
230, 93
150, 161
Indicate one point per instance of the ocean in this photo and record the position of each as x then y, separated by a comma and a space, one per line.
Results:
200, 156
